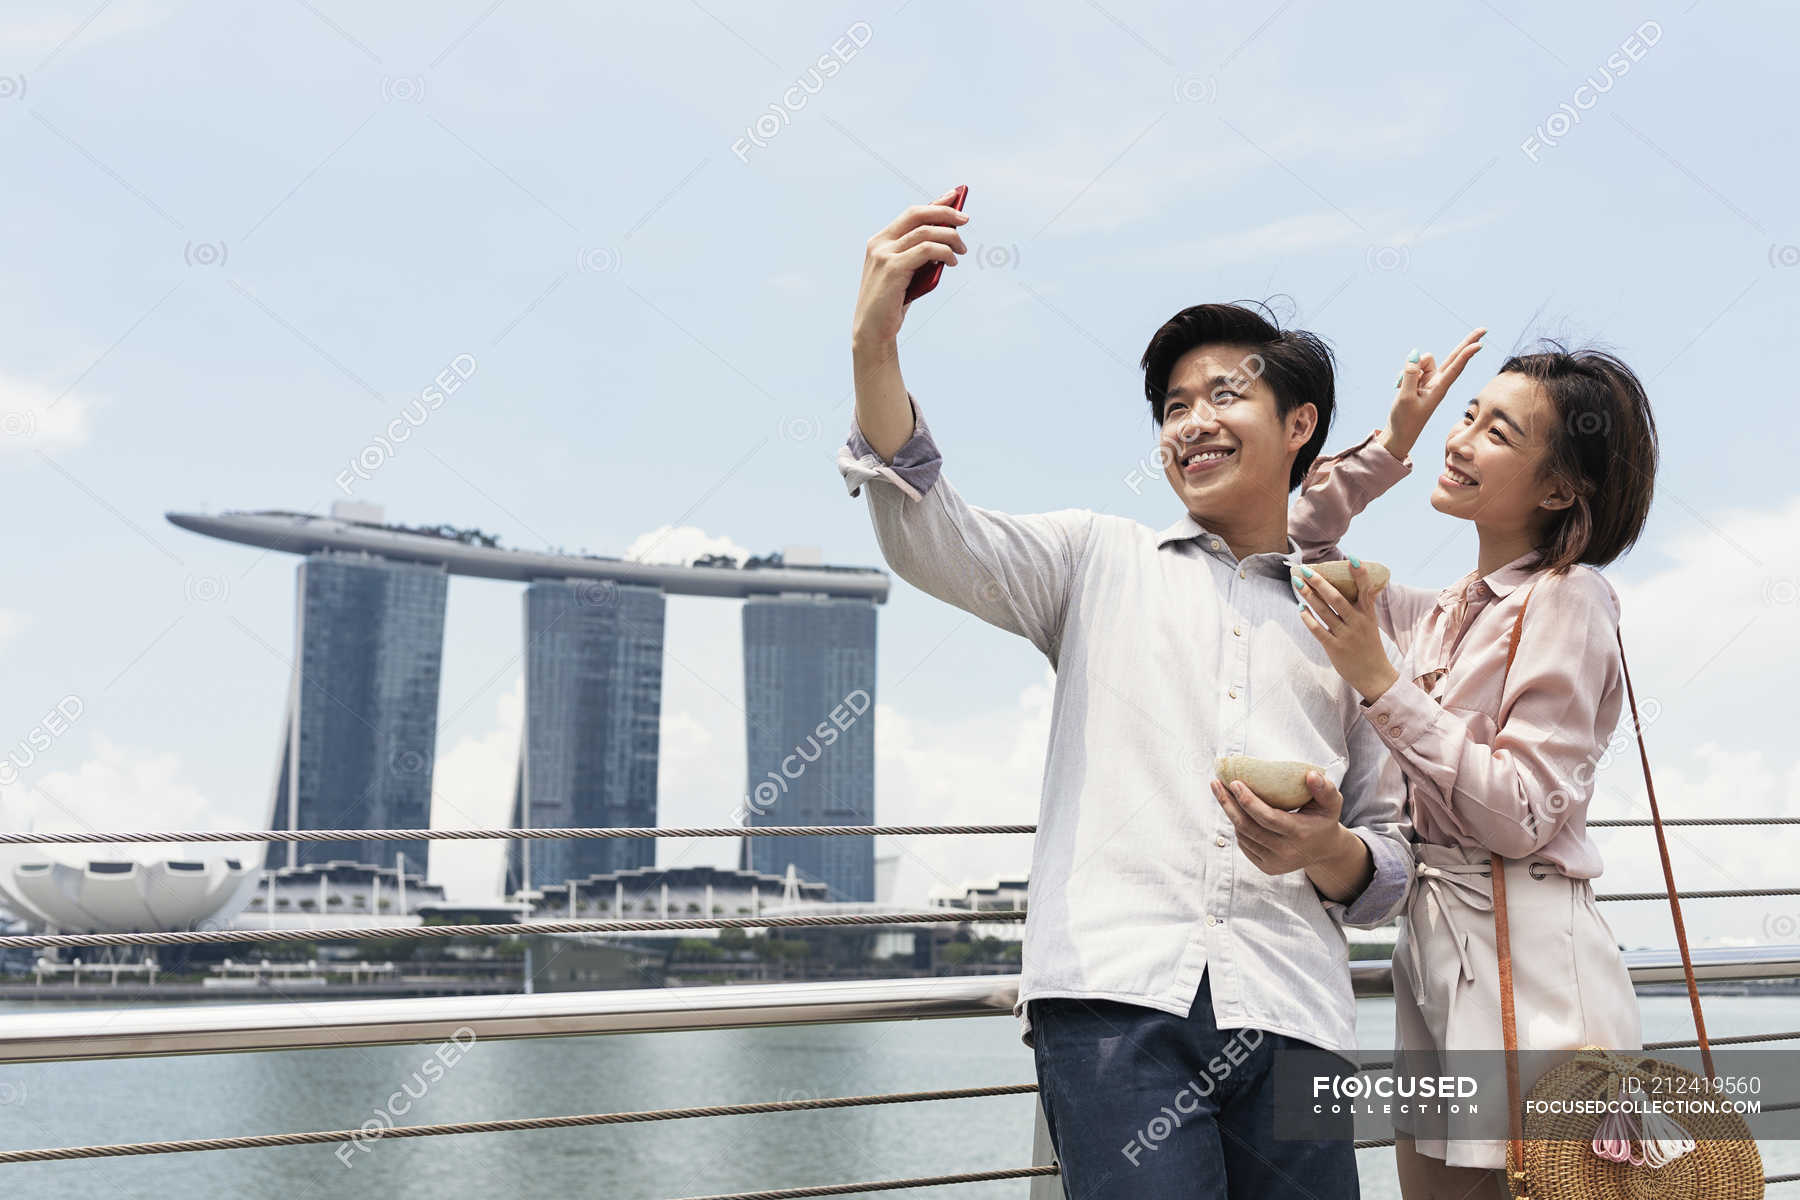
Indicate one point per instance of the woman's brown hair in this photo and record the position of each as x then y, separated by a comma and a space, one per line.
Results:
1602, 445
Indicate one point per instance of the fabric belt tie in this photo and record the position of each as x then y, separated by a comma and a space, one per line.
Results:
1450, 895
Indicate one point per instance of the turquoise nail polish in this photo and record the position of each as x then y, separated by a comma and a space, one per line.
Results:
1355, 561
1307, 571
1413, 357
1295, 580
1399, 379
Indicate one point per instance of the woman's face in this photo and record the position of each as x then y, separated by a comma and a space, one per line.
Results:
1494, 458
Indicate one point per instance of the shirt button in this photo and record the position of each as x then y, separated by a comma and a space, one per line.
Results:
1398, 731
1218, 841
1215, 543
1237, 631
1381, 718
1232, 693
1243, 574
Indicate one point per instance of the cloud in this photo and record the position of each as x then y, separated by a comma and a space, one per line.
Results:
1712, 642
793, 283
1719, 624
984, 770
46, 28
700, 779
121, 789
32, 417
681, 544
472, 787
1705, 781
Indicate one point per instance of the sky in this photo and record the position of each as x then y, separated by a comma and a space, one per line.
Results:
240, 240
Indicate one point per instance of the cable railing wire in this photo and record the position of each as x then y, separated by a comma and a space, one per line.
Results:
550, 833
1730, 894
882, 1185
201, 937
1647, 822
1690, 1043
531, 834
364, 1135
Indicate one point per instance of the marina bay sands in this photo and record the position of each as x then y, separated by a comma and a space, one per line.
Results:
358, 743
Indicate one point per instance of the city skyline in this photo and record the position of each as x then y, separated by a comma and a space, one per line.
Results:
360, 735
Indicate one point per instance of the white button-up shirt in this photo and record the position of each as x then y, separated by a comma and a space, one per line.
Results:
1169, 652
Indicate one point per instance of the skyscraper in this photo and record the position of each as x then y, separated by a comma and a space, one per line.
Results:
359, 741
593, 713
361, 731
809, 699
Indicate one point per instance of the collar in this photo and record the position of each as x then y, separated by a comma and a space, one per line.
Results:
1186, 528
1500, 583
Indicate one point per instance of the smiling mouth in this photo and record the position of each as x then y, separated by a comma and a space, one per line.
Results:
1199, 461
1455, 478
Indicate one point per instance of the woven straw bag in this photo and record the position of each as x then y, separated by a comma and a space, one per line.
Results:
1555, 1155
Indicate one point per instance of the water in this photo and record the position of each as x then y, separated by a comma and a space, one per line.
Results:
209, 1096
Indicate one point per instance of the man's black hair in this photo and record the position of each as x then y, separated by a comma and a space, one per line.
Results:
1297, 365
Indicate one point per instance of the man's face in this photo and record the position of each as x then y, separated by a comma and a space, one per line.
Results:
1225, 451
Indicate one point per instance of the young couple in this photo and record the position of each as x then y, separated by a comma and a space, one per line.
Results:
1181, 932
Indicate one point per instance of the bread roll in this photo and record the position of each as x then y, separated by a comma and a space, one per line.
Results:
1337, 573
1281, 784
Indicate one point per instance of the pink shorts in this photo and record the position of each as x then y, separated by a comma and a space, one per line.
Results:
1570, 984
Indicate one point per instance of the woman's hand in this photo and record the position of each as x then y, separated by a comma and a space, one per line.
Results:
1350, 633
924, 233
1423, 384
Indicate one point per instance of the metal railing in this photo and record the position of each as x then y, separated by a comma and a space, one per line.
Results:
70, 1035
129, 1032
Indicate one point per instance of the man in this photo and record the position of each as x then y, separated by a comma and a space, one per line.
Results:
1179, 933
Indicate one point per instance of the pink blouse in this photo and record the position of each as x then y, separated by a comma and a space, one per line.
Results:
1508, 770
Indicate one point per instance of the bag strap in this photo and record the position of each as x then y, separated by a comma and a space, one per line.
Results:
1662, 847
1515, 1114
1502, 940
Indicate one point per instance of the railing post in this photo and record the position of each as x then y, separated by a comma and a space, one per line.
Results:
1043, 1153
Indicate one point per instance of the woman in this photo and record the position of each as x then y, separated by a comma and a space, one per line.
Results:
1553, 462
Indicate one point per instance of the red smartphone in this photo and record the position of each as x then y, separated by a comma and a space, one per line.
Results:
926, 277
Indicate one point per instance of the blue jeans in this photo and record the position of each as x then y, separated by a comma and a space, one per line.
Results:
1145, 1105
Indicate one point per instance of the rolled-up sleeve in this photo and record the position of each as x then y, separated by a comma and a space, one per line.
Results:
1561, 699
1375, 811
913, 469
1013, 571
1337, 488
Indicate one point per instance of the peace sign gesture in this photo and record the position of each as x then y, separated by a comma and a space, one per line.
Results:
1422, 385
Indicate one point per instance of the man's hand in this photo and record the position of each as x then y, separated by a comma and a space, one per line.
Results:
1423, 385
1310, 838
924, 233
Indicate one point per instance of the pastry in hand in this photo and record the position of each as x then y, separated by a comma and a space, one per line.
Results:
1337, 573
1281, 784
